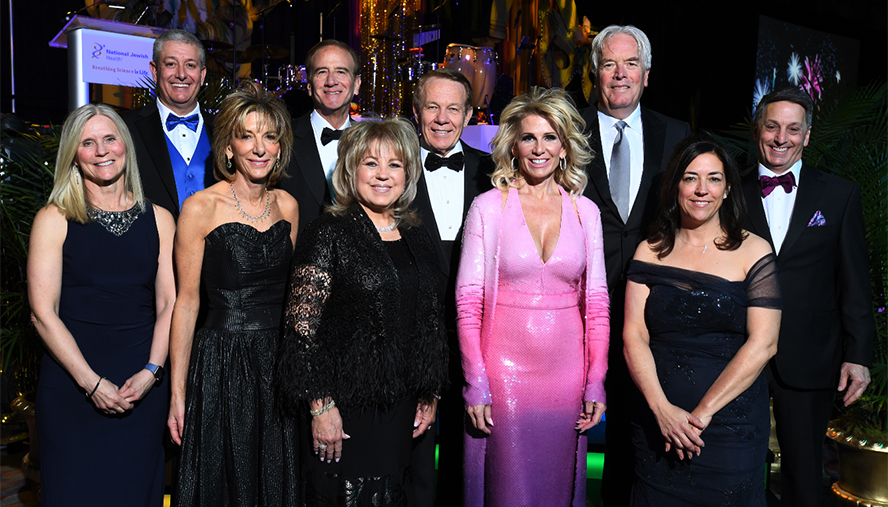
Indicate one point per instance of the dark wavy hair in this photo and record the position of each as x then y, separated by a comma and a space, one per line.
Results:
731, 214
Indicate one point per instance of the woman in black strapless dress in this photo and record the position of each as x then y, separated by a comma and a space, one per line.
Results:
236, 238
702, 317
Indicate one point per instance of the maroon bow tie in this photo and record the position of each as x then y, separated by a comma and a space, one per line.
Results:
787, 181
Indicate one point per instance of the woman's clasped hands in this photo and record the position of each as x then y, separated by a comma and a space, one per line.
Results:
682, 430
110, 399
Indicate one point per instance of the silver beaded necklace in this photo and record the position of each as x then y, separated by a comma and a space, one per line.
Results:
115, 222
387, 228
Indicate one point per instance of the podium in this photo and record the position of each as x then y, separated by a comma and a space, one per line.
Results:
104, 52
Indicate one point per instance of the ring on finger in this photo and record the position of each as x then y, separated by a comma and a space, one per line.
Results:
322, 446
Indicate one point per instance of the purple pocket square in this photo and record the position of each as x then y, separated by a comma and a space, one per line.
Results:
817, 220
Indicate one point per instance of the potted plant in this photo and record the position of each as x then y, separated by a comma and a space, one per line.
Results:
26, 175
852, 142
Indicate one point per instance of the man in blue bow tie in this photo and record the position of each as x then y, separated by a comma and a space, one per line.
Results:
172, 136
814, 222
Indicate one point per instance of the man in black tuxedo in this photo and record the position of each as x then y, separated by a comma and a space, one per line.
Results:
333, 81
814, 222
632, 147
454, 174
172, 136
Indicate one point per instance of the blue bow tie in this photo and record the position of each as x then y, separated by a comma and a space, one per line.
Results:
189, 121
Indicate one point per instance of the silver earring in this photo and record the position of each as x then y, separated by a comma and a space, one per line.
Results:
561, 163
514, 165
228, 163
77, 178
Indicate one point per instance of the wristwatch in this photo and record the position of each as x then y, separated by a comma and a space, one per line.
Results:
157, 371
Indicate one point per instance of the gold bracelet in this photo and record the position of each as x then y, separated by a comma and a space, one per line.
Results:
325, 408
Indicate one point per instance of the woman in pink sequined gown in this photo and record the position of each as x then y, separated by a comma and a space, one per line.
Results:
533, 312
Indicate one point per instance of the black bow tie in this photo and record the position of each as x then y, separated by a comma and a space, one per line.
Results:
433, 162
328, 135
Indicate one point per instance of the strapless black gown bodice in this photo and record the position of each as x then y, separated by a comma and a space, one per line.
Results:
245, 275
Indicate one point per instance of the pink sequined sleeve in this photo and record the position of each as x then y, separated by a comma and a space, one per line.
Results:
596, 310
470, 281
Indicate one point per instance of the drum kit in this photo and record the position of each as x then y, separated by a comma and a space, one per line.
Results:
477, 64
288, 78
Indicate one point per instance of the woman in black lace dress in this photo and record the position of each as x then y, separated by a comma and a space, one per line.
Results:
364, 351
236, 238
702, 317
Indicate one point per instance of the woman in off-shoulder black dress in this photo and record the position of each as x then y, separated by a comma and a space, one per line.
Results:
702, 318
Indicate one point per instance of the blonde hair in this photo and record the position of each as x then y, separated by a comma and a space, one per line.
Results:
399, 136
231, 120
555, 106
68, 192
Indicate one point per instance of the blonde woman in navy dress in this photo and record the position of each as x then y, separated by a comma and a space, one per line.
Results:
100, 285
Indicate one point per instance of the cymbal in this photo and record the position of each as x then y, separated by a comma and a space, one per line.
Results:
238, 56
271, 51
213, 46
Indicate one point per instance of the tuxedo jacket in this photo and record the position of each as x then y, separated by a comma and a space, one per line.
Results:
153, 156
306, 181
824, 279
478, 167
660, 134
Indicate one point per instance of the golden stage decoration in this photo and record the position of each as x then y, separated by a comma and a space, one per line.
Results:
864, 467
385, 44
564, 46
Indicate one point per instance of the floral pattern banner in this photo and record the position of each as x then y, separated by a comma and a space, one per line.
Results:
792, 55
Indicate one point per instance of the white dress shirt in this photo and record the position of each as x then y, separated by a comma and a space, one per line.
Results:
447, 194
182, 137
778, 205
632, 133
328, 152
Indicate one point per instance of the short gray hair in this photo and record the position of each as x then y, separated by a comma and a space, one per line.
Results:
600, 40
177, 35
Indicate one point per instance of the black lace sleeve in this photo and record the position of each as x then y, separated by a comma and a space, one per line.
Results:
762, 284
301, 361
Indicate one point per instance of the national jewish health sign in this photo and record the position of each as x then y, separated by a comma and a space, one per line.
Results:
116, 59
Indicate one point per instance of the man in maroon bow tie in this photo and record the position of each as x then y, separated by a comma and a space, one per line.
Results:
815, 224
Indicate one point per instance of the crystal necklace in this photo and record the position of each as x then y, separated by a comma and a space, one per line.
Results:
244, 214
387, 228
115, 222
